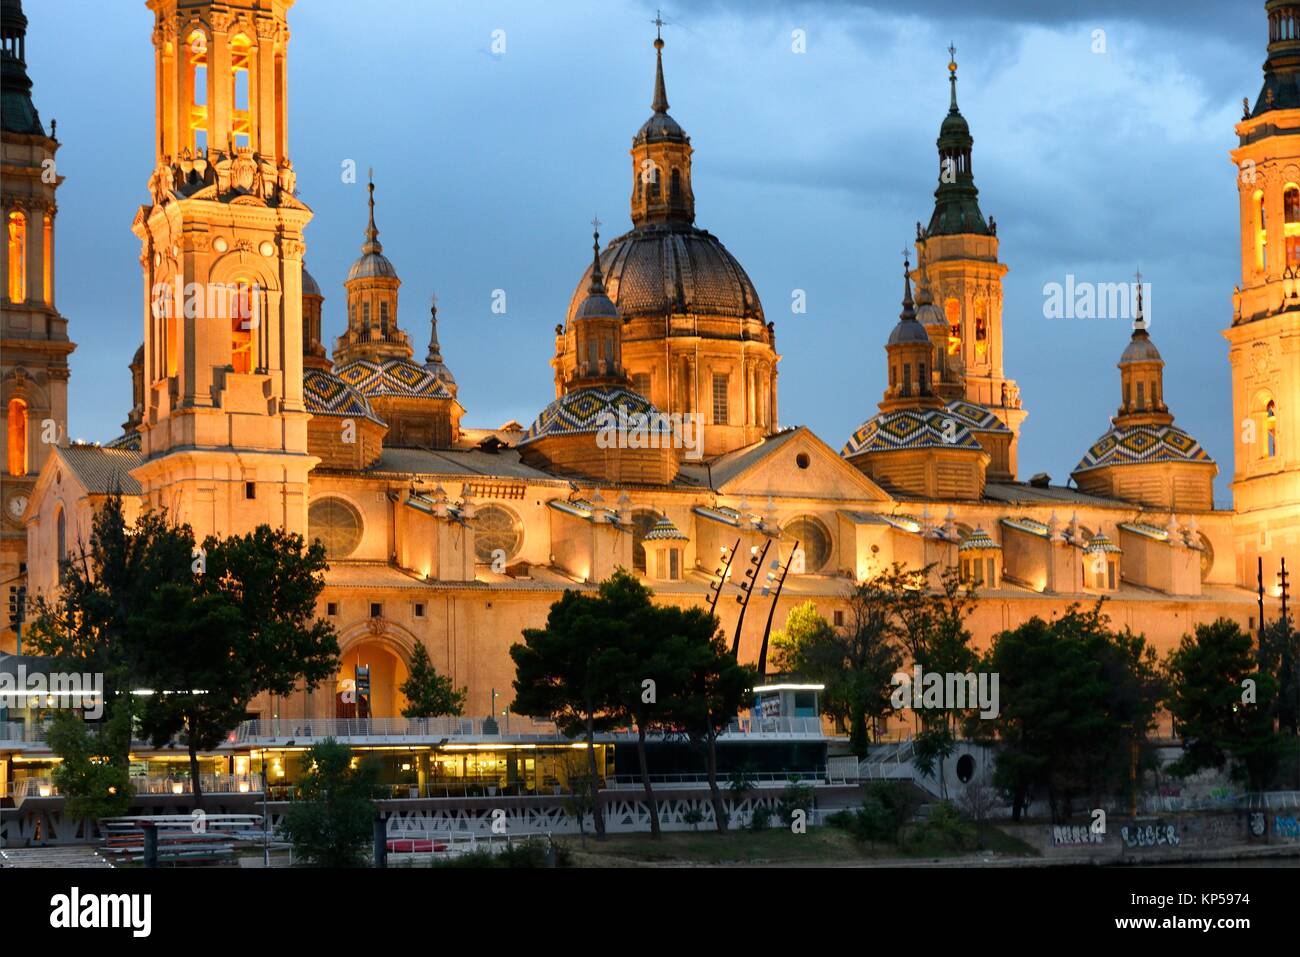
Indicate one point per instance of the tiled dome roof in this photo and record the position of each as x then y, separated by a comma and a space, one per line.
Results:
1140, 444
325, 393
977, 540
665, 530
910, 429
392, 375
582, 410
663, 268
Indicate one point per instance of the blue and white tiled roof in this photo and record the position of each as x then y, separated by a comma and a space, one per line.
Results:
910, 429
1140, 444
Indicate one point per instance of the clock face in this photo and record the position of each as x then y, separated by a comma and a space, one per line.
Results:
17, 505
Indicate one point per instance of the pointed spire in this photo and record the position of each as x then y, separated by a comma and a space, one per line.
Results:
1139, 318
372, 244
660, 104
597, 278
952, 77
908, 313
435, 350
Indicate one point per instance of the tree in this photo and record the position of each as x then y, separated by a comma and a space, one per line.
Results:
568, 672
641, 666
1075, 699
429, 694
105, 592
855, 665
331, 819
250, 614
711, 695
1222, 704
246, 606
93, 778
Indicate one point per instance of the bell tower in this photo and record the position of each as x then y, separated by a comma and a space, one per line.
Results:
1264, 338
959, 250
661, 159
224, 430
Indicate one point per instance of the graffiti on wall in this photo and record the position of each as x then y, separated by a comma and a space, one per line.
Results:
1155, 834
1286, 827
1064, 835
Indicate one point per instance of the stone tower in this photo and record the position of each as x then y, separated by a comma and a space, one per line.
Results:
34, 343
1264, 336
959, 252
224, 430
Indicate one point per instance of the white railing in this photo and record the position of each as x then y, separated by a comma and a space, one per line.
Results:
23, 788
313, 729
301, 730
757, 779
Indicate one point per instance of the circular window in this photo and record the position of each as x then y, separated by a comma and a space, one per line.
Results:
642, 521
802, 460
1207, 556
336, 524
496, 532
813, 538
965, 768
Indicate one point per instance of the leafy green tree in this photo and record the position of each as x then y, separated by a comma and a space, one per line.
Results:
711, 695
93, 778
245, 606
330, 822
1222, 703
429, 694
569, 672
1074, 700
855, 664
249, 614
641, 666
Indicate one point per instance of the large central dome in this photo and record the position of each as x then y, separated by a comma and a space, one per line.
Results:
662, 269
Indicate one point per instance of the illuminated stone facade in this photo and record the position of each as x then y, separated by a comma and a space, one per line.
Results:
456, 538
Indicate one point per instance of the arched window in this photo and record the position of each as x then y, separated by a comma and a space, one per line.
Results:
952, 309
47, 259
61, 534
642, 521
676, 187
17, 427
383, 317
17, 238
981, 328
1291, 223
198, 56
240, 80
243, 325
1270, 429
1261, 233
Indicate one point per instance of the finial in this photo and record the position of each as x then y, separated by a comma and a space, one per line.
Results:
1245, 108
597, 279
1139, 319
952, 76
908, 312
435, 350
372, 233
660, 102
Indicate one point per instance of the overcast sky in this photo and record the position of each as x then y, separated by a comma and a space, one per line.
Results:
811, 167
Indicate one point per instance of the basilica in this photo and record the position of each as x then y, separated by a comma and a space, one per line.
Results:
455, 535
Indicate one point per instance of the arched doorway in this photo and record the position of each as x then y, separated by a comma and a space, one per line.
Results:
387, 672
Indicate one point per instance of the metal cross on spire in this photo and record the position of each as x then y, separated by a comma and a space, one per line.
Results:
659, 23
596, 224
